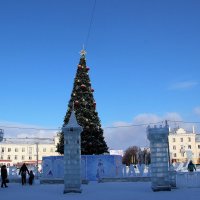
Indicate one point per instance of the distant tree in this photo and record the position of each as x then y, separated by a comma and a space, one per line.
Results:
60, 145
134, 155
131, 155
146, 156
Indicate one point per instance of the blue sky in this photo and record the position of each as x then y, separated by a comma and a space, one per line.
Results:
143, 58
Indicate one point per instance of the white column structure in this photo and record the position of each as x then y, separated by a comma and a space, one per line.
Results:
158, 137
72, 155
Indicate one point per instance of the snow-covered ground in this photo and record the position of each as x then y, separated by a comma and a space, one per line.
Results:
96, 191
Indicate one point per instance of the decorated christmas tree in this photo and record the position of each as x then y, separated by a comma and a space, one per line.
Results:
84, 105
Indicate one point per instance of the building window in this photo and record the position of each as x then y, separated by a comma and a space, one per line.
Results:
23, 149
16, 149
174, 147
2, 149
23, 157
8, 157
174, 154
174, 139
181, 139
182, 147
30, 157
182, 154
1, 157
9, 149
30, 150
189, 147
15, 157
51, 150
44, 149
189, 139
198, 146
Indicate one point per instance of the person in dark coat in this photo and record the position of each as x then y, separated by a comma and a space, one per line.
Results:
191, 166
31, 177
4, 176
23, 171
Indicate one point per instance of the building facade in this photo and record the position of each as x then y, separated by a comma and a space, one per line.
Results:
184, 145
15, 151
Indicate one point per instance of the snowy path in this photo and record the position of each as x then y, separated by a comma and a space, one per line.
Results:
96, 191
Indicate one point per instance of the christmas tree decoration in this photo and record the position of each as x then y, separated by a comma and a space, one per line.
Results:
83, 86
84, 105
76, 103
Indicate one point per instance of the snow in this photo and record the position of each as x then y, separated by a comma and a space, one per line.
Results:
96, 191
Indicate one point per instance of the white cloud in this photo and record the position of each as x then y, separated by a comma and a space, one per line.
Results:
124, 137
183, 85
197, 110
14, 129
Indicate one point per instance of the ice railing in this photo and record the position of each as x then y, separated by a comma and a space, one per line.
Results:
139, 170
124, 171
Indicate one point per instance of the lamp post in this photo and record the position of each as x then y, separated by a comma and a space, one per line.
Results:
1, 135
36, 160
37, 142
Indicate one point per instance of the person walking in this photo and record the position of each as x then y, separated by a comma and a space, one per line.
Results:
23, 171
31, 177
191, 166
4, 176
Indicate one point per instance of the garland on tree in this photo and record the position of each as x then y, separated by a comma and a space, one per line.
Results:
84, 105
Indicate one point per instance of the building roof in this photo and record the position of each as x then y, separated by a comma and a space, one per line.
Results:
179, 131
72, 120
27, 140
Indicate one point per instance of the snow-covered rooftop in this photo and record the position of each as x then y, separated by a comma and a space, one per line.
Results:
27, 140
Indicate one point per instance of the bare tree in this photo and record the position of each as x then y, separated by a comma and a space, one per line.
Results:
146, 156
131, 155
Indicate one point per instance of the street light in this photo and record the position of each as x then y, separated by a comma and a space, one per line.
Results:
37, 159
1, 135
